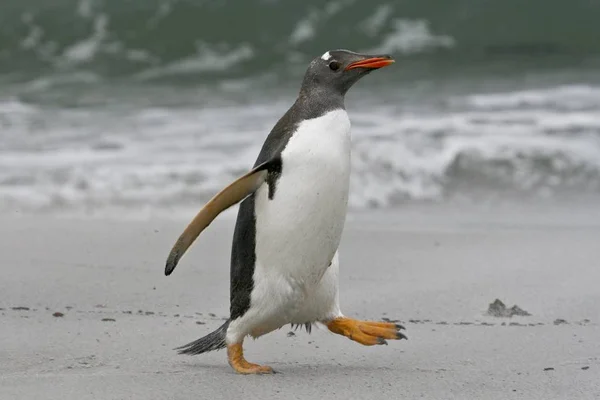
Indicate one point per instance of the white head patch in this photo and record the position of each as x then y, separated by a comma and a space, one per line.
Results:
326, 56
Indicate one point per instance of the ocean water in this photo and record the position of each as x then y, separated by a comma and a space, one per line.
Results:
151, 107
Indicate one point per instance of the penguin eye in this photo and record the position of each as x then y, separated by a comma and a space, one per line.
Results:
334, 65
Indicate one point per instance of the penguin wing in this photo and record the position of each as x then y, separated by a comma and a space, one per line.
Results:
237, 191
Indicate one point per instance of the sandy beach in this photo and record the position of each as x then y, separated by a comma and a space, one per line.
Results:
86, 312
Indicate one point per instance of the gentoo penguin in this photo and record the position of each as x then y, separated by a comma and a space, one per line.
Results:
284, 258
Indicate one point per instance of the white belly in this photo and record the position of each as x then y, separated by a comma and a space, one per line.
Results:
299, 230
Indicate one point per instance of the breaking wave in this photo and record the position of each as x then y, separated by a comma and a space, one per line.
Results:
530, 143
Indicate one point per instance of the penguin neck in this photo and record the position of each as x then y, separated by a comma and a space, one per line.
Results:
316, 101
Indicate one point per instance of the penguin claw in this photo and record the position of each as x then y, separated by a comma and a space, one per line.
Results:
381, 341
400, 327
400, 336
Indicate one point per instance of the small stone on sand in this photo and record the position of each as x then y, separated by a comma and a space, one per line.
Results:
498, 309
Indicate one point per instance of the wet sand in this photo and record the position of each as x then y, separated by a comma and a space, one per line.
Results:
434, 269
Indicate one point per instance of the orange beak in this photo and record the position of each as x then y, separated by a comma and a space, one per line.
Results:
373, 63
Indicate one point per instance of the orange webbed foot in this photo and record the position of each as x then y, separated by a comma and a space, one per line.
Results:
235, 355
368, 333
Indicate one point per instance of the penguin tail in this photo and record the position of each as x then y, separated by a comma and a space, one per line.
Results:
213, 341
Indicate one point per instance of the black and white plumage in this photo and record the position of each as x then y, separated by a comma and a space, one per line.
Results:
284, 260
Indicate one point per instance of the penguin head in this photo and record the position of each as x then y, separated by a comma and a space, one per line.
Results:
338, 70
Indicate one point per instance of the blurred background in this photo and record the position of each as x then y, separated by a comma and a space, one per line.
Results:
149, 107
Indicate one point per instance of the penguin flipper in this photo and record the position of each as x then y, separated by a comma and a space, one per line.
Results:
235, 192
